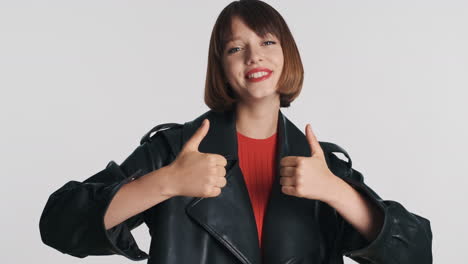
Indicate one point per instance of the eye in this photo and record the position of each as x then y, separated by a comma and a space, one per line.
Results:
230, 51
233, 50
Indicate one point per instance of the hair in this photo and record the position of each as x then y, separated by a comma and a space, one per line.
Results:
262, 19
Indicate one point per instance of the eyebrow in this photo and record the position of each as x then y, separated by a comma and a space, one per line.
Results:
268, 35
233, 39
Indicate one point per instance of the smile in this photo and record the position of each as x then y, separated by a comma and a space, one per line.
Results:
258, 76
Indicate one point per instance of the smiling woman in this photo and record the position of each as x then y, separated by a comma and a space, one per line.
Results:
253, 59
245, 36
240, 183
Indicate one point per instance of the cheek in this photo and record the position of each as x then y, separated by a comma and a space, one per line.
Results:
231, 68
236, 71
280, 58
277, 57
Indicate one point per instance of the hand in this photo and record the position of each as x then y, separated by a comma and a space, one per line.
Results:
194, 173
307, 177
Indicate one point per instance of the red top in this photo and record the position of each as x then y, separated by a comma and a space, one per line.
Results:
257, 163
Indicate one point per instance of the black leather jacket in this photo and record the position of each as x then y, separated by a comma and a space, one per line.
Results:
222, 229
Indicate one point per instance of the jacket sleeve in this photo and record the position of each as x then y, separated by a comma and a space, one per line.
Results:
73, 218
405, 237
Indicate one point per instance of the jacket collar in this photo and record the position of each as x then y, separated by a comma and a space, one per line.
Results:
222, 138
229, 217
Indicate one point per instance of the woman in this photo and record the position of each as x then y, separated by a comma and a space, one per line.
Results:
240, 183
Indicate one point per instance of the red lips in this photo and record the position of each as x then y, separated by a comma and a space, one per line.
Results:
259, 69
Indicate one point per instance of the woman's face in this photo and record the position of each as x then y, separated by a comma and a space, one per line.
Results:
252, 65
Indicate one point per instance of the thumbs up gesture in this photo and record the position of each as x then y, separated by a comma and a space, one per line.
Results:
307, 177
194, 173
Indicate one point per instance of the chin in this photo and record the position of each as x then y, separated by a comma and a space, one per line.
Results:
258, 95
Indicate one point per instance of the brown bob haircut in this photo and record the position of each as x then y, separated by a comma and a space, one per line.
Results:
262, 19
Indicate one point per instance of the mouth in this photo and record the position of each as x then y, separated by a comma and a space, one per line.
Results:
258, 74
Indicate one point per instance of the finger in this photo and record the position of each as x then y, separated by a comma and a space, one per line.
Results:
215, 191
220, 160
289, 190
287, 171
221, 171
221, 182
289, 161
315, 148
287, 181
193, 143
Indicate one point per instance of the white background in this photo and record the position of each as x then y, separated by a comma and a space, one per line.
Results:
82, 81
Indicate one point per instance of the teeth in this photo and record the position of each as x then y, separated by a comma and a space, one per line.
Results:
257, 75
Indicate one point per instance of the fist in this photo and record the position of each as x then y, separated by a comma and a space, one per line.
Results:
307, 177
194, 173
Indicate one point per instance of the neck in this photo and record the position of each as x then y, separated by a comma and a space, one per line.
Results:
259, 120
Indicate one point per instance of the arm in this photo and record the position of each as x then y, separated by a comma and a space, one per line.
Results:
137, 196
365, 216
73, 218
404, 237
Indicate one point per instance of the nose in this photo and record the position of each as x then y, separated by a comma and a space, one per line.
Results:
253, 55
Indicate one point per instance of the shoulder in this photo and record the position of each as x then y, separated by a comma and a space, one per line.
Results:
171, 134
163, 137
330, 148
339, 167
153, 132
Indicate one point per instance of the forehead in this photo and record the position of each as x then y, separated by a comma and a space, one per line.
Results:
239, 31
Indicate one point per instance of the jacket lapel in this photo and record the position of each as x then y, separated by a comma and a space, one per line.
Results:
229, 217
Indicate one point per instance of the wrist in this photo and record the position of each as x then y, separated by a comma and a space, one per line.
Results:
336, 188
167, 181
158, 182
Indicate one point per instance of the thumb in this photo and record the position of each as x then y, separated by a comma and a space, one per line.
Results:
314, 145
193, 143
